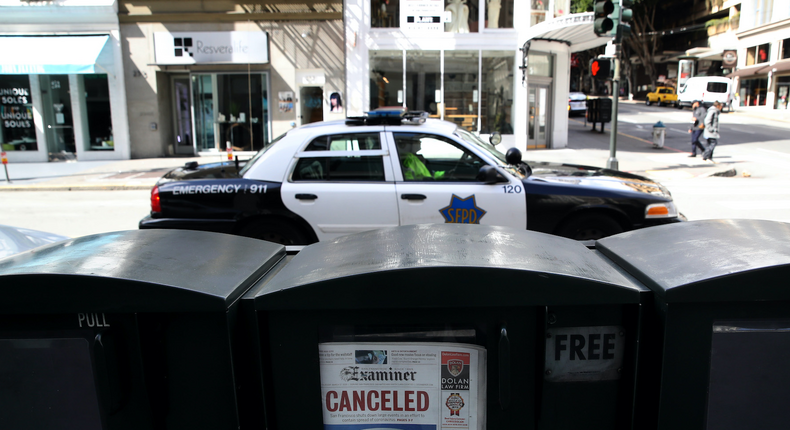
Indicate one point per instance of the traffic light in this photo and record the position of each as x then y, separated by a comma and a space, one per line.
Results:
621, 16
603, 24
601, 68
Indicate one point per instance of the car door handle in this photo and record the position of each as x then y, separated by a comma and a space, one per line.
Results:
413, 197
306, 196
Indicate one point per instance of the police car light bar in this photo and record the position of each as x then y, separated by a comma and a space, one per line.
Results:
389, 116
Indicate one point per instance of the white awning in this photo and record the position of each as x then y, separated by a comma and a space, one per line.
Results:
576, 30
54, 55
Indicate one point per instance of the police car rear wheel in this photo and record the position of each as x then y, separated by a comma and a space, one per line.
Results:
589, 227
274, 231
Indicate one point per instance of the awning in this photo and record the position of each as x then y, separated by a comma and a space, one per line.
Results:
778, 67
576, 30
749, 71
54, 55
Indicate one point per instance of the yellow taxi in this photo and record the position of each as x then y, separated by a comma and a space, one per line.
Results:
662, 96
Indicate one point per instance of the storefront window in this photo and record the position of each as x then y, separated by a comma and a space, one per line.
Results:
17, 131
386, 78
463, 15
753, 92
231, 109
782, 92
461, 90
496, 98
97, 113
56, 104
423, 81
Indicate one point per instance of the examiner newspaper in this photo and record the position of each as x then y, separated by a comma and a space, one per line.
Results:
414, 386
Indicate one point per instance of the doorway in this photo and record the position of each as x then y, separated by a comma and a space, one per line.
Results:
539, 106
58, 124
231, 109
182, 116
311, 103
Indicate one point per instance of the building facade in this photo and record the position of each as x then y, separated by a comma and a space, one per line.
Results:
62, 82
461, 61
205, 76
763, 75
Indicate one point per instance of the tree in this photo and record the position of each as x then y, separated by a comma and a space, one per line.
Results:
645, 41
581, 6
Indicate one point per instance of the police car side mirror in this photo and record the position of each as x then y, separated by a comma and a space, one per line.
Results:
513, 156
495, 138
489, 175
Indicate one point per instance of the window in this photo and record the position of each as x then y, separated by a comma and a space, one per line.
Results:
345, 142
427, 157
17, 131
362, 167
97, 107
386, 78
785, 49
717, 87
465, 16
758, 54
753, 92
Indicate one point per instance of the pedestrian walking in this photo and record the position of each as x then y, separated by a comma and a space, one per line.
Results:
711, 132
699, 112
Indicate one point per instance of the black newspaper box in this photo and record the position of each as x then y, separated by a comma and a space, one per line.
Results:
447, 326
127, 330
717, 355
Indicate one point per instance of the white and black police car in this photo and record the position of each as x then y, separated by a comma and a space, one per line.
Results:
391, 168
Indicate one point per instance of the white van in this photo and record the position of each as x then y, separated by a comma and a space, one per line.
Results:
708, 89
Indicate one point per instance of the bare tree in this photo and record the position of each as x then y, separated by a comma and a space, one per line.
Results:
644, 41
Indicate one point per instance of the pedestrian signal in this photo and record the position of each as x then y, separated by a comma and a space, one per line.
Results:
601, 68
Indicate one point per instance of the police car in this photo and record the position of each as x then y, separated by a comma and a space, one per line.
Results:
390, 168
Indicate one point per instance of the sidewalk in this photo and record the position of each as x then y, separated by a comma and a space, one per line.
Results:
634, 154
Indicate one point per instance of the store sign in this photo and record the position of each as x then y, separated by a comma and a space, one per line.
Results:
212, 47
408, 386
422, 15
729, 59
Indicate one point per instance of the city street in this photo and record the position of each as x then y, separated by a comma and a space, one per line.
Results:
757, 150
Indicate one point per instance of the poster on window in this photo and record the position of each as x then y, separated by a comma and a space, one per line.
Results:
422, 386
422, 16
17, 130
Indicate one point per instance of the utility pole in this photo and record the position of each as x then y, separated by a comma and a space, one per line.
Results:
612, 163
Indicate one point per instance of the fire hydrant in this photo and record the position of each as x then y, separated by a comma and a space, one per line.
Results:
659, 133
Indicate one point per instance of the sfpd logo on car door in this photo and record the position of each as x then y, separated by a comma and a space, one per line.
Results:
462, 211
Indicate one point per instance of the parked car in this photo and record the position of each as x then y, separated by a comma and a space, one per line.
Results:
329, 179
662, 96
577, 103
708, 89
14, 240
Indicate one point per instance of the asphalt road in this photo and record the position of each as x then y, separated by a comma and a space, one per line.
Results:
757, 148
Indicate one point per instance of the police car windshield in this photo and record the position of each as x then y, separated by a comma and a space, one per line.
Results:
474, 140
261, 152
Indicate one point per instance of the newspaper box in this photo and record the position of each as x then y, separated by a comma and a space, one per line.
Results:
447, 327
126, 330
723, 341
